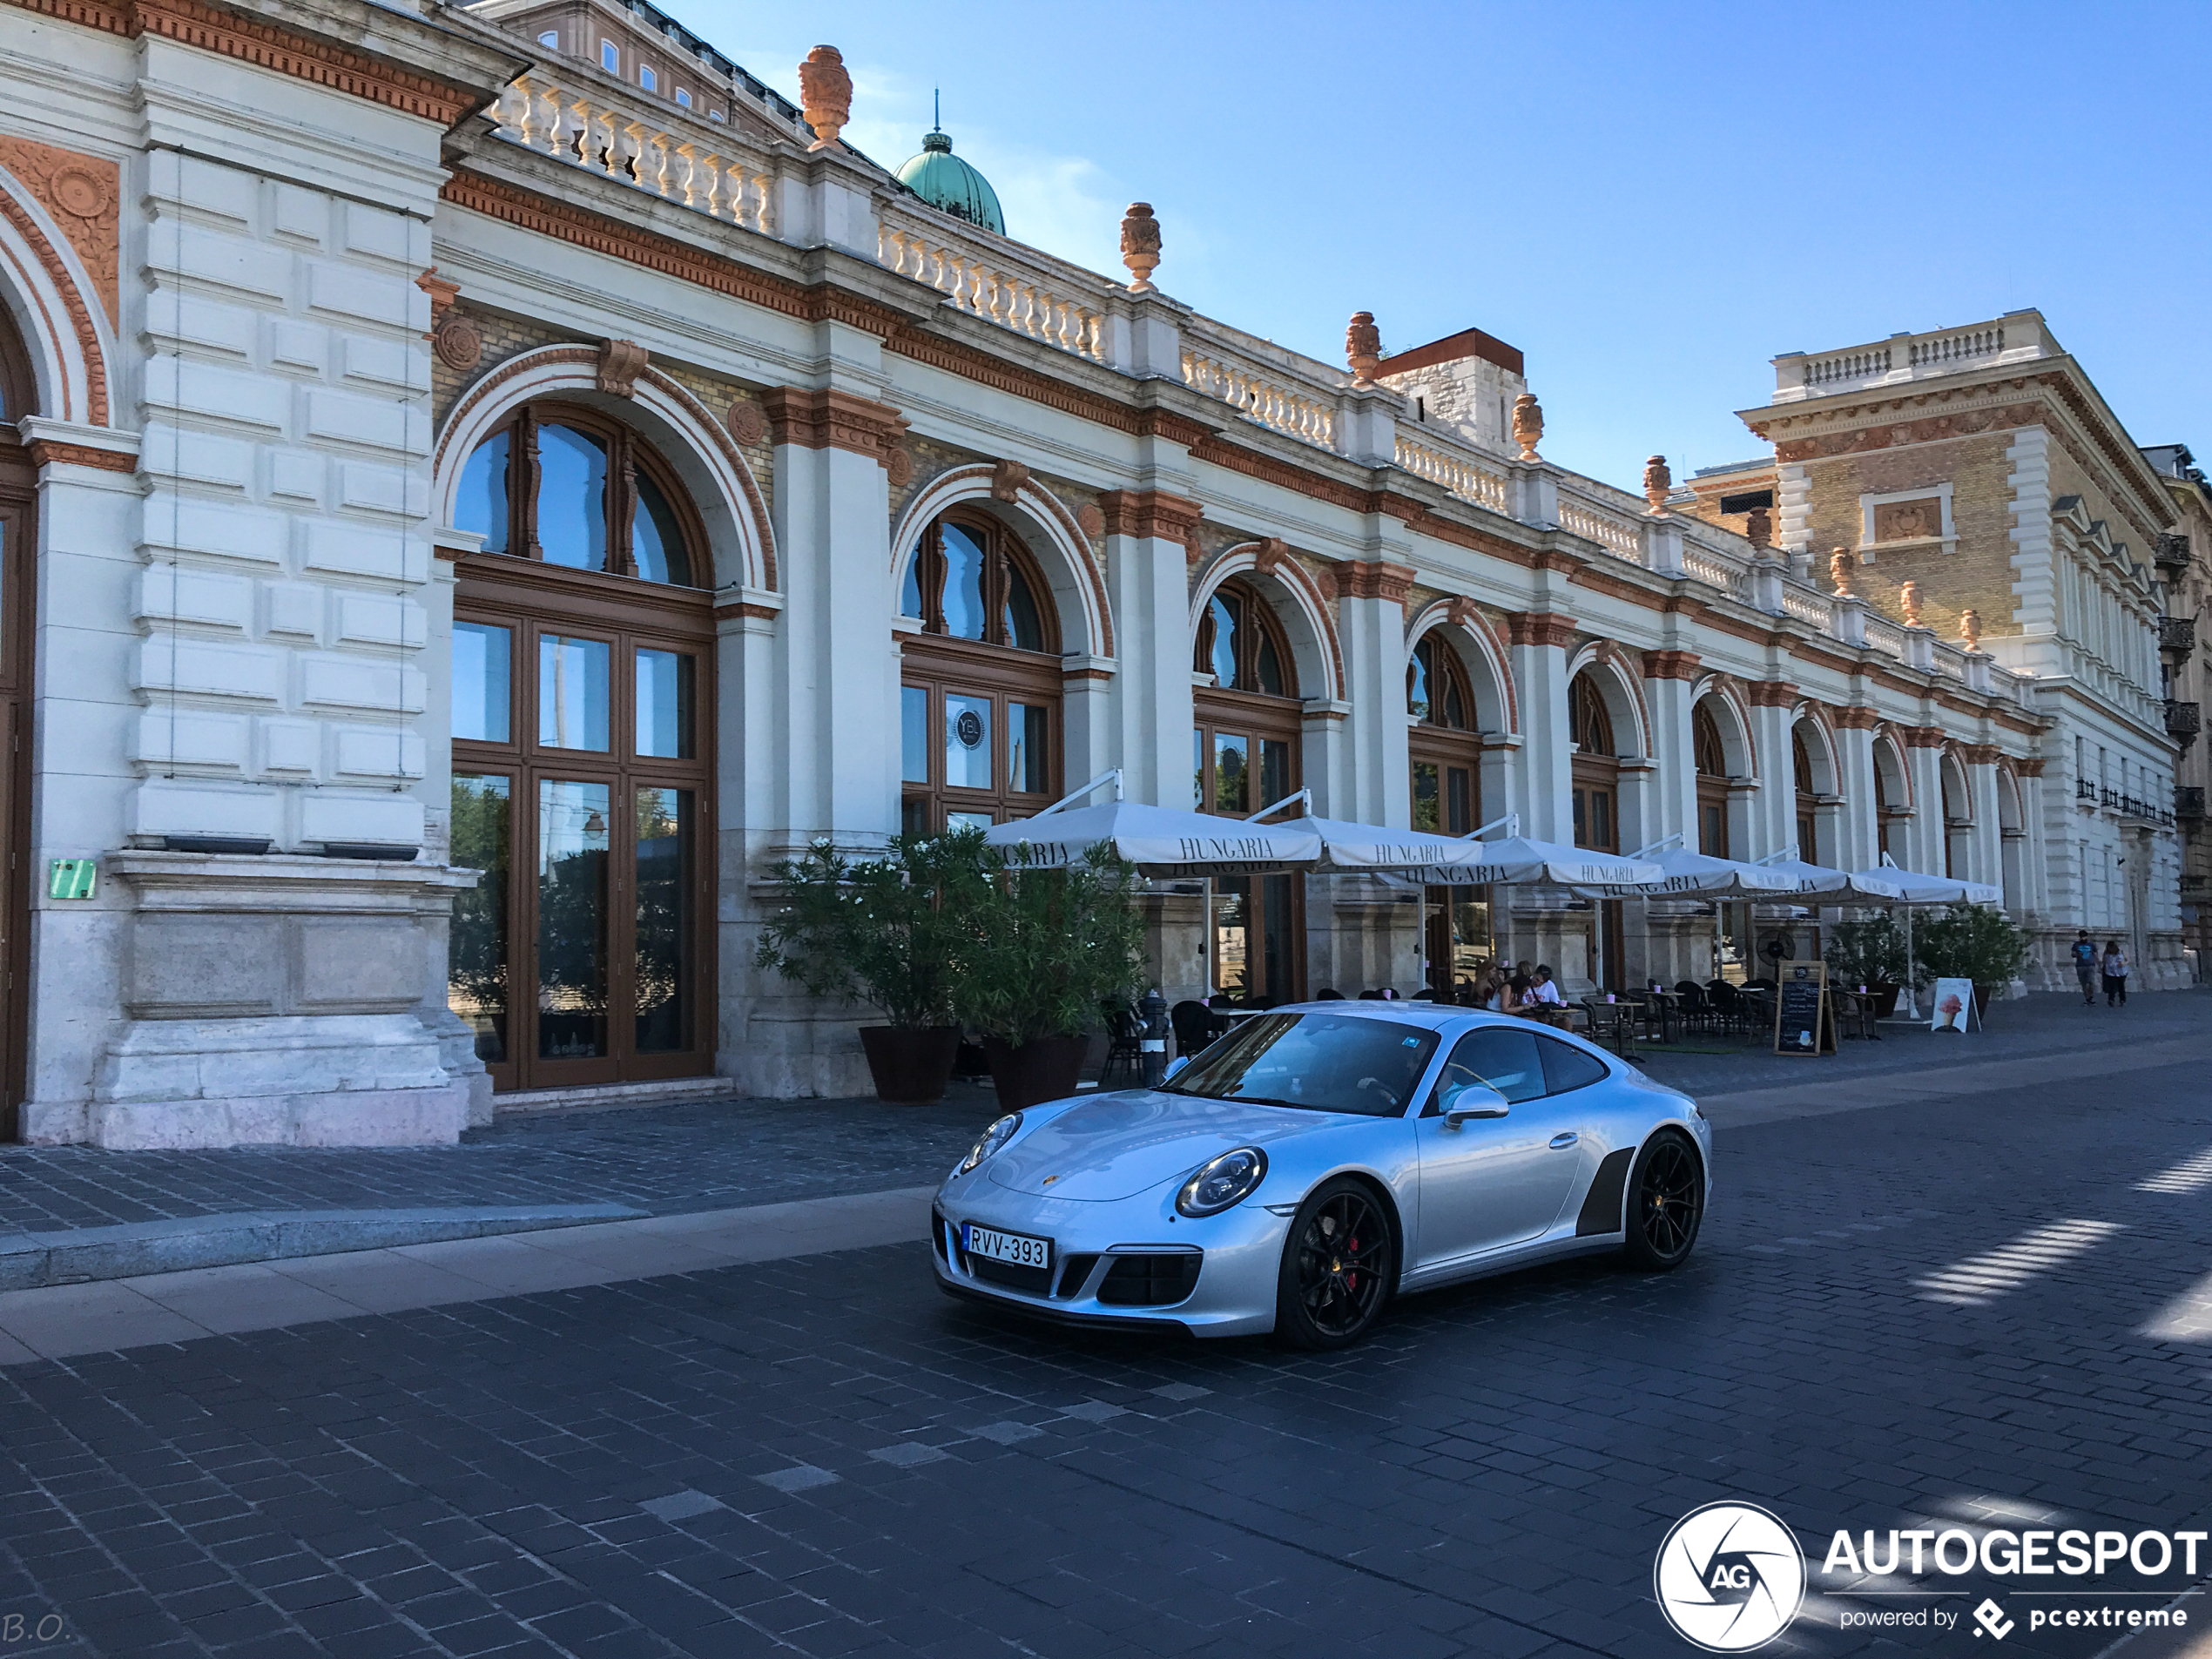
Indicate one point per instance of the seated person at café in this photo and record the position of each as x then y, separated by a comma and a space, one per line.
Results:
1545, 988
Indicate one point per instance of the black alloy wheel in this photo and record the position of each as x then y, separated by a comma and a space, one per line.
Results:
1338, 1265
1666, 1202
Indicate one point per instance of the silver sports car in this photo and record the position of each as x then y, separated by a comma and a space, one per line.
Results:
1316, 1160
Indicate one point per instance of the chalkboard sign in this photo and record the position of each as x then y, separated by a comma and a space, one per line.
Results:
1802, 1024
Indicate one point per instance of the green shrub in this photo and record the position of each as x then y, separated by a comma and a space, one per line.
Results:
1044, 950
1977, 942
1867, 953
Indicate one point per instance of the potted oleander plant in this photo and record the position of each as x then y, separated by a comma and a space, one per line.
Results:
1970, 941
1871, 953
883, 931
1045, 951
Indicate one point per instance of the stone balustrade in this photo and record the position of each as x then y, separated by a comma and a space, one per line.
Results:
999, 280
1272, 400
1616, 528
1460, 469
680, 158
2015, 337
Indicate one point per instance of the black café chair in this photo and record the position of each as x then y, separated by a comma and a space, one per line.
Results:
1727, 1005
1697, 1009
1331, 994
1124, 1049
1193, 1023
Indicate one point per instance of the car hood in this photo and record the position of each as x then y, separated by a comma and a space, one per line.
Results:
1115, 1146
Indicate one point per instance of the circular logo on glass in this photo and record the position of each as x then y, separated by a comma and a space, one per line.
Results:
968, 726
1730, 1577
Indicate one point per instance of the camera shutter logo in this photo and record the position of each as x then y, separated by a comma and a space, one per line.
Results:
1730, 1577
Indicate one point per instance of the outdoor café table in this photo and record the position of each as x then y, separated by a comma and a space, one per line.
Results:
1614, 1025
1855, 1011
1758, 1008
1661, 1013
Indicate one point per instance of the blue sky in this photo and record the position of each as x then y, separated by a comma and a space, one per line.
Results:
1650, 201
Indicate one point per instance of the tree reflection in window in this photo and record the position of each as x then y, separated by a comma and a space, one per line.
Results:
1240, 643
968, 579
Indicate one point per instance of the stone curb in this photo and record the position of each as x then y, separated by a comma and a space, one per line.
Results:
30, 1260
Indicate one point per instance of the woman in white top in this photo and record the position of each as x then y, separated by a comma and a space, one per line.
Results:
2115, 967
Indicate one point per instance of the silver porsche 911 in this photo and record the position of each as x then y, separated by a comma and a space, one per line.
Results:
1316, 1161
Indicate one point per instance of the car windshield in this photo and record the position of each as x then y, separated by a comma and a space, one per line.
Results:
1322, 1063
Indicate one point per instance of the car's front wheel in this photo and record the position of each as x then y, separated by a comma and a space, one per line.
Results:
1666, 1202
1338, 1264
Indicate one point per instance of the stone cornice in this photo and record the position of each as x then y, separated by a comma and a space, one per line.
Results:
1685, 665
832, 420
1367, 579
1772, 694
271, 45
1539, 628
1921, 737
1150, 513
1854, 717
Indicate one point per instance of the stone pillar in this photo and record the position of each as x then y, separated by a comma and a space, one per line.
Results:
1858, 834
1925, 832
1148, 534
1988, 858
1371, 624
1773, 809
1669, 677
1538, 641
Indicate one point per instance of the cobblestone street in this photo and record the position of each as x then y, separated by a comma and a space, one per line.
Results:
1987, 1309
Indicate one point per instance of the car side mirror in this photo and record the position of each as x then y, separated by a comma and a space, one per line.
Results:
1174, 1066
1463, 1101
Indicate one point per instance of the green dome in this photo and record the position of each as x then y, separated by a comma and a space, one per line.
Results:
942, 179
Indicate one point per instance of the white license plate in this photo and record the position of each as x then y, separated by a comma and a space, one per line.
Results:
1016, 1249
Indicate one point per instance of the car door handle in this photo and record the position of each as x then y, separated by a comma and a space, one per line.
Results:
1568, 1139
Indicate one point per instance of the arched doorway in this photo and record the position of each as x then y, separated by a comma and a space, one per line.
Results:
18, 555
1447, 780
1711, 760
583, 756
1804, 797
979, 686
1893, 795
1244, 756
1596, 773
1958, 822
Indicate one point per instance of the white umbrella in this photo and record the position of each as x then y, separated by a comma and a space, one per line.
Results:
1162, 841
1838, 886
1448, 862
1517, 859
1697, 875
1913, 889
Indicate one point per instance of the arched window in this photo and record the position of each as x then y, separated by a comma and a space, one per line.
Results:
1888, 809
1806, 794
981, 684
583, 757
1958, 821
1712, 783
1597, 773
1445, 760
567, 486
1244, 756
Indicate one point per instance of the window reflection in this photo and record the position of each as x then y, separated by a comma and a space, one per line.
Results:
967, 742
476, 986
665, 704
1231, 785
1026, 727
1226, 611
573, 837
913, 734
966, 615
656, 541
481, 655
664, 957
481, 503
571, 692
1022, 625
571, 498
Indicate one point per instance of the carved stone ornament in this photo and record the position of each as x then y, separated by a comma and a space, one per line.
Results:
1273, 553
1140, 245
1528, 425
458, 345
1970, 628
747, 424
1909, 596
825, 95
1006, 479
1758, 527
1363, 346
899, 466
620, 363
1090, 520
1839, 569
1658, 483
442, 292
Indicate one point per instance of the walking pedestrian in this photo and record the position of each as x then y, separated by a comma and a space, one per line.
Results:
2084, 951
2115, 973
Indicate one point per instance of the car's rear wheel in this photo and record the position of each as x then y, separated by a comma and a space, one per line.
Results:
1666, 1202
1338, 1264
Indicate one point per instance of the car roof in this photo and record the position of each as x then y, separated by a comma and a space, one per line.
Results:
1405, 1010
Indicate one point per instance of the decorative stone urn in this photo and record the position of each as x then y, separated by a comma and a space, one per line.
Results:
1140, 245
1658, 483
1839, 569
1528, 425
1970, 629
825, 95
1758, 528
1363, 346
1909, 596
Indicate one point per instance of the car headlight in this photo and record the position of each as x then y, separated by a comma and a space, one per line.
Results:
994, 1137
1222, 1183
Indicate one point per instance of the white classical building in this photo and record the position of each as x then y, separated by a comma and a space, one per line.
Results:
467, 512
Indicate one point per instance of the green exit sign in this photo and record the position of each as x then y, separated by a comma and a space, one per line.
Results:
72, 878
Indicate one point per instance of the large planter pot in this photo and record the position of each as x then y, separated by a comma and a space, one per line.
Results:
1885, 999
1985, 995
1035, 1072
911, 1067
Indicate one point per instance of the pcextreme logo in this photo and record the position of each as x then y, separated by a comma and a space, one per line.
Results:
1730, 1577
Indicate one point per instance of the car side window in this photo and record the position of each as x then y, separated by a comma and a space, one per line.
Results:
1504, 1058
1567, 1067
